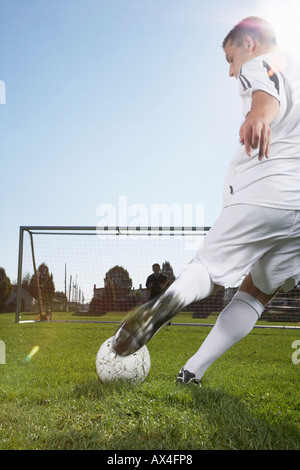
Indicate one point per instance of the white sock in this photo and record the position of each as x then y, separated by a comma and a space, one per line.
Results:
193, 283
234, 323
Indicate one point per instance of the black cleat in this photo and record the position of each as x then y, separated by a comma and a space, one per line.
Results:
185, 377
144, 322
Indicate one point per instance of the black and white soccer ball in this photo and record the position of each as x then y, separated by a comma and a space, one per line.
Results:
111, 367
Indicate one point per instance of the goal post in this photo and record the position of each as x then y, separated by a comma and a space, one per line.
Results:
92, 270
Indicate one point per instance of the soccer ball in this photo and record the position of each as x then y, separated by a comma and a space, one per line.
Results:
111, 367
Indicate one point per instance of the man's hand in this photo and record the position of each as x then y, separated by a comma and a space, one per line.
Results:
255, 131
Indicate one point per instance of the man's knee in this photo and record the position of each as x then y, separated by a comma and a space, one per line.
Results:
248, 286
216, 289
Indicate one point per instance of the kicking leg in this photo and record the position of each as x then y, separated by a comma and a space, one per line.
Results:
193, 283
233, 324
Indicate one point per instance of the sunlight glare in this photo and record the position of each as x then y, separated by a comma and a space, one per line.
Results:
284, 15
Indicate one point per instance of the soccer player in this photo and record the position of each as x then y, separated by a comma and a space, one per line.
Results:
156, 282
257, 235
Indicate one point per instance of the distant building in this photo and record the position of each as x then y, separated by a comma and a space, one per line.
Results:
27, 301
98, 292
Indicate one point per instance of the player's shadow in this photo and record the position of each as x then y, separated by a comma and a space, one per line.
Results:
97, 389
239, 425
236, 423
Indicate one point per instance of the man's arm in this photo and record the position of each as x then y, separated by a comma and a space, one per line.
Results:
149, 283
255, 131
165, 284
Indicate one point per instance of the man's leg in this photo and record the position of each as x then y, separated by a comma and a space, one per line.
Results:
193, 283
233, 324
248, 286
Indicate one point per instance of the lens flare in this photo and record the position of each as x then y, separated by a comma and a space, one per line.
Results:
34, 350
284, 15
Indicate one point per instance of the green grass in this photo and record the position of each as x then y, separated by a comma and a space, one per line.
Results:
183, 317
249, 399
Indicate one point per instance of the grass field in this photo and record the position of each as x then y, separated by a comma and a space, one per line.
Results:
249, 399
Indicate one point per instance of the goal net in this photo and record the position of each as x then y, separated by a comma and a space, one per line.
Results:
95, 270
91, 271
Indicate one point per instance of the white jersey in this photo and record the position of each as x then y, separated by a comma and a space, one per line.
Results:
272, 182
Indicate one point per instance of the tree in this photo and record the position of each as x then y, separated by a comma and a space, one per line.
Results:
117, 286
45, 283
95, 306
5, 288
26, 282
119, 279
168, 271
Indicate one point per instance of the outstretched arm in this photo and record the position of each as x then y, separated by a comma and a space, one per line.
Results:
255, 131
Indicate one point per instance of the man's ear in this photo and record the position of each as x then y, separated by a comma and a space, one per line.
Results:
249, 43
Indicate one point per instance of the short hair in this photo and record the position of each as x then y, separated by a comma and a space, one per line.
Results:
256, 27
155, 264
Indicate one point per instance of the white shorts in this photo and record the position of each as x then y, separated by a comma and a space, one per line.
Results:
260, 240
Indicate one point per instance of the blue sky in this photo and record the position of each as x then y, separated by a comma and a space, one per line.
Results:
113, 98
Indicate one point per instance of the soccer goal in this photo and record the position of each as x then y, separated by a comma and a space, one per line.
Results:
89, 271
85, 273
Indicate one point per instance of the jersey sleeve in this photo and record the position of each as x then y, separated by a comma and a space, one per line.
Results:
258, 75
